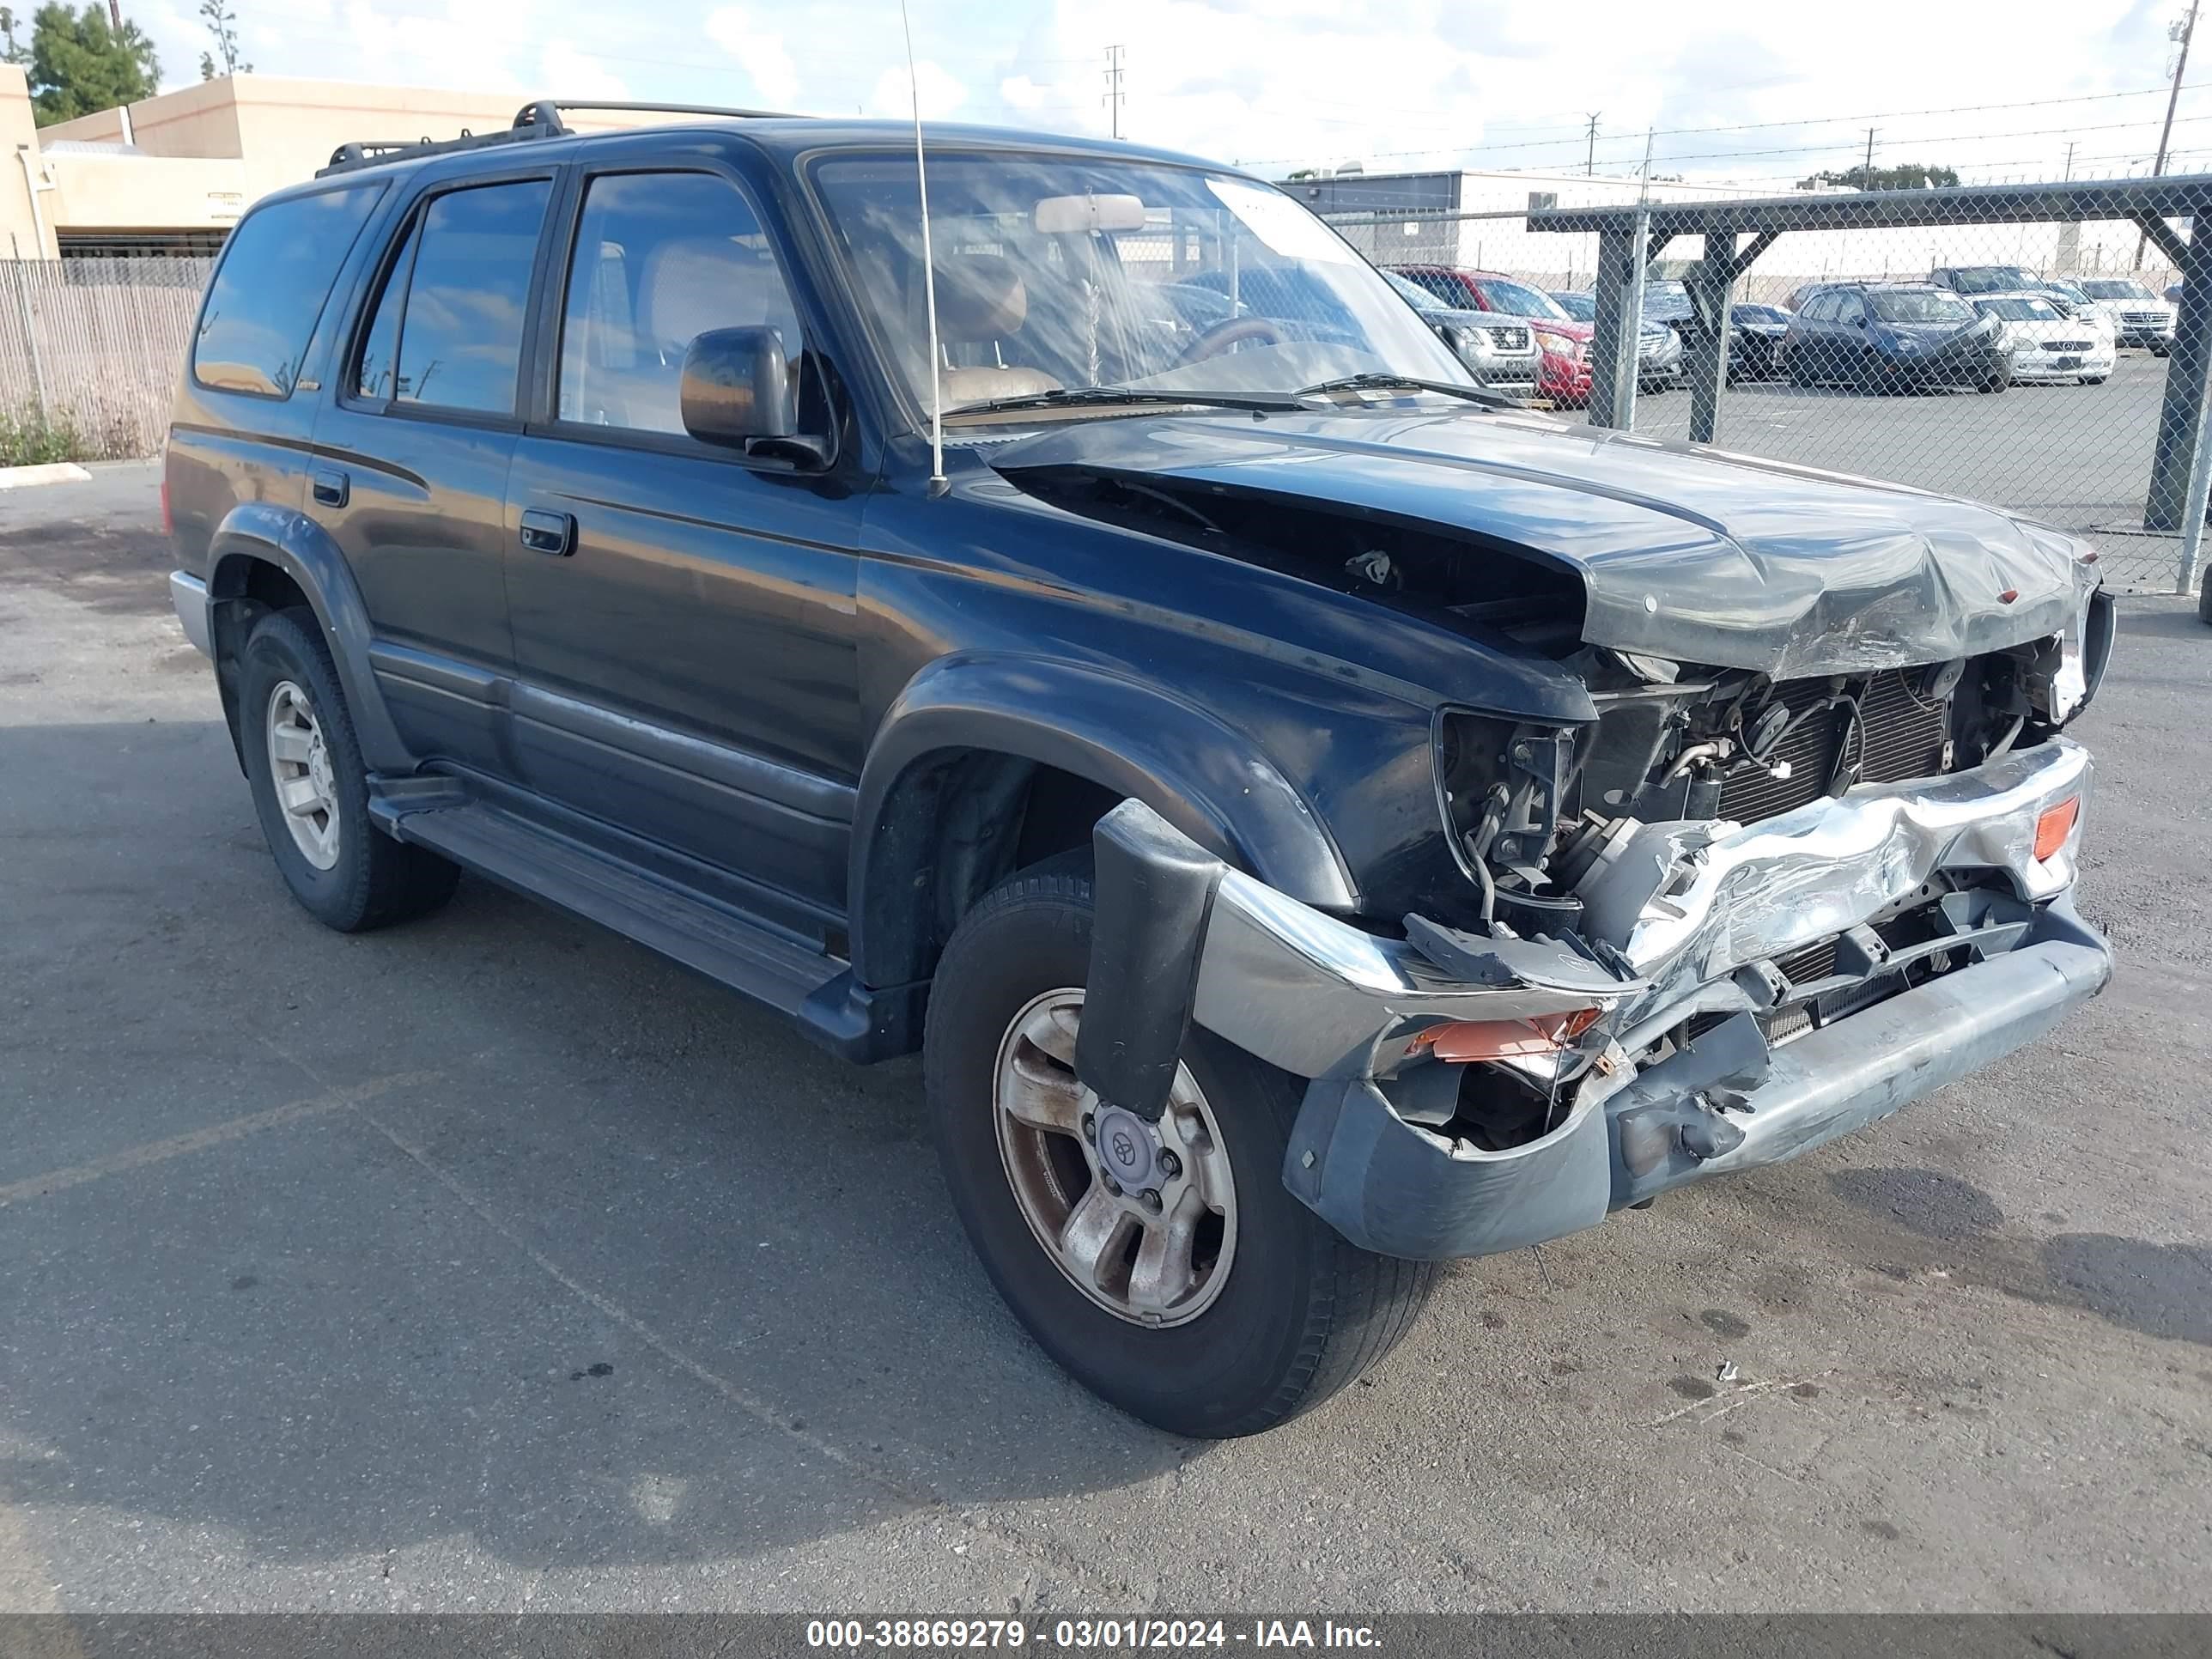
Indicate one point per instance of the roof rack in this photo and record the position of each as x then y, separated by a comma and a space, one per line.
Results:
539, 119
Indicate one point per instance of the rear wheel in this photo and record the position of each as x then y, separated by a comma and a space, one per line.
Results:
1167, 1268
311, 789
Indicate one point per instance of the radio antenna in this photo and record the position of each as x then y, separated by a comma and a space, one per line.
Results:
937, 484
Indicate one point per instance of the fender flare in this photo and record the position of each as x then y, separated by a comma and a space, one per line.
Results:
1133, 739
262, 532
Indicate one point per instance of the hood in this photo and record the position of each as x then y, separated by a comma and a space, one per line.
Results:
1697, 555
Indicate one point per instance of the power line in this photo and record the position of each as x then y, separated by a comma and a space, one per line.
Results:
1761, 126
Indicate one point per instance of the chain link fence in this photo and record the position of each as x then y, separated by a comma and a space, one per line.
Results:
2024, 363
90, 352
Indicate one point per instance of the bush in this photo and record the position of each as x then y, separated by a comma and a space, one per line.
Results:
32, 440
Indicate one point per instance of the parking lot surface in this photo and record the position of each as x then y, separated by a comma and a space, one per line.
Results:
2077, 456
491, 1263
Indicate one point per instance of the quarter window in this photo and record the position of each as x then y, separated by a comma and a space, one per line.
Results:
275, 273
660, 258
448, 329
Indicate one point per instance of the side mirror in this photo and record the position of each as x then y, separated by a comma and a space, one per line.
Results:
737, 387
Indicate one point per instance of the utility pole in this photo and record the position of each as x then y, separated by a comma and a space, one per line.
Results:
2070, 162
2165, 133
1866, 178
1115, 95
1589, 157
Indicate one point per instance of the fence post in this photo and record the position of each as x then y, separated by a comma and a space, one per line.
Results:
2200, 489
30, 338
1620, 296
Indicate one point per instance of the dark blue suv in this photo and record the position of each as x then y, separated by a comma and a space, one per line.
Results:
1310, 814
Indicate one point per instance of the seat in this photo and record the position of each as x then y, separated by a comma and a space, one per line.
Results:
688, 286
982, 300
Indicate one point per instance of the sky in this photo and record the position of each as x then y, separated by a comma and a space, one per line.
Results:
1765, 93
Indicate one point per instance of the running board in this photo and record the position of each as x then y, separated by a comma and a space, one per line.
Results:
727, 945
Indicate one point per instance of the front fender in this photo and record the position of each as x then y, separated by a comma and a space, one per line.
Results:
1135, 740
288, 539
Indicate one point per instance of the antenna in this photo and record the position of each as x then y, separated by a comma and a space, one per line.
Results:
937, 484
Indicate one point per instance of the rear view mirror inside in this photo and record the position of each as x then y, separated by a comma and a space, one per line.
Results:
1060, 215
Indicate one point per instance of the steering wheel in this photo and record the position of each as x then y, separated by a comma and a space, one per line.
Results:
1227, 337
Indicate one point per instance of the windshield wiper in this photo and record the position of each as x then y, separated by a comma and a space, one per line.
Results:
1374, 381
1080, 397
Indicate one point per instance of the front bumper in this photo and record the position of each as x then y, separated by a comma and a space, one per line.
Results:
1692, 915
189, 594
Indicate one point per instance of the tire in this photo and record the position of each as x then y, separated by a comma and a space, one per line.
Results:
2094, 380
370, 880
1300, 1313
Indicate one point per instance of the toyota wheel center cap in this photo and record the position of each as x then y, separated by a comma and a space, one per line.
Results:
1128, 1148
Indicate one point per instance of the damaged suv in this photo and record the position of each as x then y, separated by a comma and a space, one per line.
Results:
1315, 818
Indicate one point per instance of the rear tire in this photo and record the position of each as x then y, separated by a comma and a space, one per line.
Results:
345, 873
1299, 1314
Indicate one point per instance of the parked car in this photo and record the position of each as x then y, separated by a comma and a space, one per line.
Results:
1313, 819
1501, 350
2142, 318
1985, 279
1563, 374
2045, 346
1755, 336
2173, 294
1900, 338
1658, 347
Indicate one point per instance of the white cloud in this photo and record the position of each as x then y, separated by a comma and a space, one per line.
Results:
761, 53
940, 94
1019, 92
572, 72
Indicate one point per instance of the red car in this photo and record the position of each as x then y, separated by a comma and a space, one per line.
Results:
1563, 374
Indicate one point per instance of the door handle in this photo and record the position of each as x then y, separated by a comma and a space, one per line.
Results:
331, 487
544, 531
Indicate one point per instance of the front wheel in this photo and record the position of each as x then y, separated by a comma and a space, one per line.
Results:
1166, 1267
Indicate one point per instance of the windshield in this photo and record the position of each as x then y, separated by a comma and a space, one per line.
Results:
1581, 308
1923, 306
1517, 299
1760, 314
2018, 310
1668, 301
2112, 289
1990, 279
1076, 274
1413, 292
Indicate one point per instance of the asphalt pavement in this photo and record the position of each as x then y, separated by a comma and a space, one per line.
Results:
491, 1263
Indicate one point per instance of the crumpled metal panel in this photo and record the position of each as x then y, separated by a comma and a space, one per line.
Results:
1686, 552
1690, 902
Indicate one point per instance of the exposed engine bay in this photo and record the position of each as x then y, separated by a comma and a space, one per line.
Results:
1619, 839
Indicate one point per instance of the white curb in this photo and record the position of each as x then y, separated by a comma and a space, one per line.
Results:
48, 472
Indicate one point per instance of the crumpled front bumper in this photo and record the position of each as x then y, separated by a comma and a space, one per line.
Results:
1687, 917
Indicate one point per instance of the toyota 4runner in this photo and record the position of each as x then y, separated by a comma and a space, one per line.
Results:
1314, 818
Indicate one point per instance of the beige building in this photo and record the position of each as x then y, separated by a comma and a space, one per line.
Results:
172, 173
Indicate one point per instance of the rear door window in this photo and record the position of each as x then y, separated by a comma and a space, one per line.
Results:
276, 271
447, 332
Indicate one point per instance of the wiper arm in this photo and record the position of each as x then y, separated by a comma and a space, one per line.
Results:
1096, 396
1385, 382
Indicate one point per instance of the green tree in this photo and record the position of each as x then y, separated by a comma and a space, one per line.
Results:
1911, 175
81, 63
15, 51
222, 23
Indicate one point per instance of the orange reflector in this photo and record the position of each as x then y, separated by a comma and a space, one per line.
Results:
1465, 1040
2055, 826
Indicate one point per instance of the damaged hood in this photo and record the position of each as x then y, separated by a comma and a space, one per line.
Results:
1697, 555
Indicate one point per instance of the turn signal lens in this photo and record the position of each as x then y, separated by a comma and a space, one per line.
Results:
2055, 826
1466, 1040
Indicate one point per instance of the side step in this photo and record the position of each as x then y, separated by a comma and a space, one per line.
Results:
710, 937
